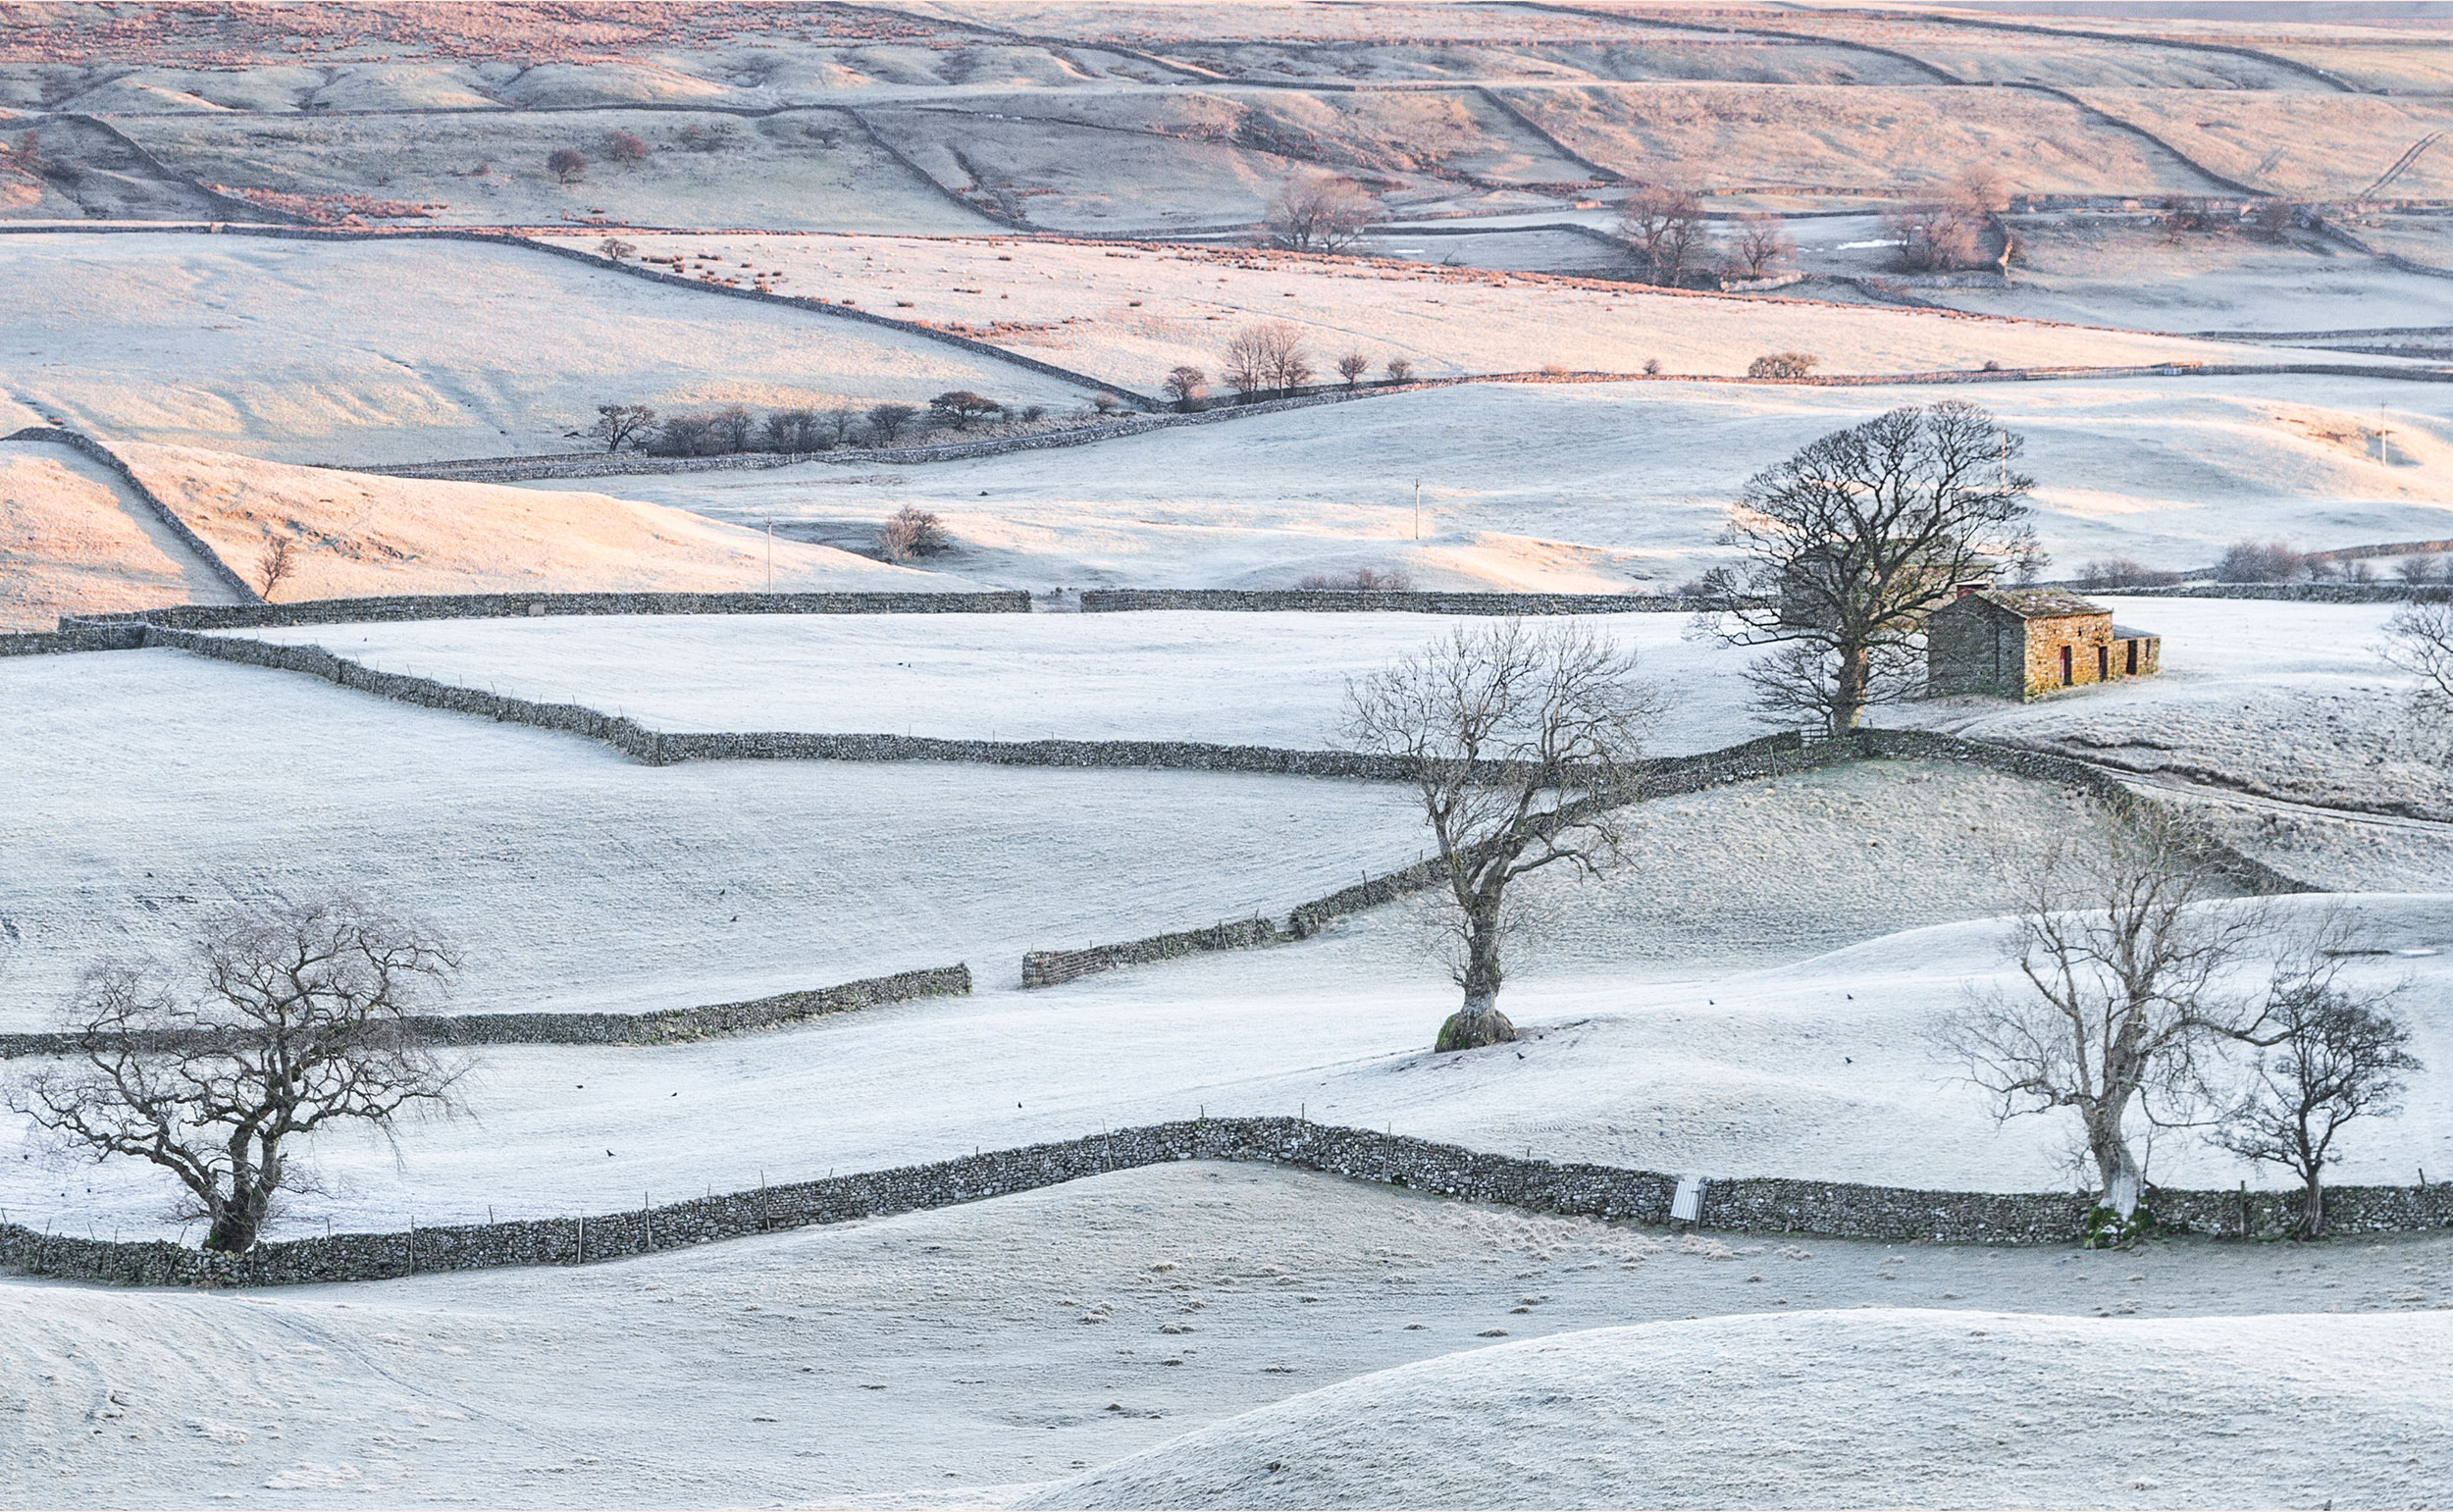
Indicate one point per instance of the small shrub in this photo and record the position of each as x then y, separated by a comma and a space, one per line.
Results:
2122, 572
2252, 561
1400, 371
1106, 403
615, 248
909, 533
1362, 580
274, 567
1555, 369
1783, 364
626, 147
1652, 367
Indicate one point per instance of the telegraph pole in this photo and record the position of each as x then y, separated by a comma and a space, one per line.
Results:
1418, 508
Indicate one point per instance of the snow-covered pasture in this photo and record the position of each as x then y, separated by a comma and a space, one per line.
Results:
1263, 679
407, 350
1907, 1408
1824, 1069
147, 787
1129, 314
2274, 700
1632, 484
944, 1357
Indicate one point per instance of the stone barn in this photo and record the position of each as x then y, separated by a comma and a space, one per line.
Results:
2025, 643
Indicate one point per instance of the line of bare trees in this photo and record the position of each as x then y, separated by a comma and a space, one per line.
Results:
735, 428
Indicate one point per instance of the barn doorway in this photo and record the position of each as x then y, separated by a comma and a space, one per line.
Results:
2066, 679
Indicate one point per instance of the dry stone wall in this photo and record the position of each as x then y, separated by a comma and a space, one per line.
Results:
135, 485
1109, 601
1767, 1205
667, 1027
405, 606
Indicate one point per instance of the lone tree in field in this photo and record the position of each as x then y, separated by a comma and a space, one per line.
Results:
964, 408
2336, 1055
1323, 213
567, 164
274, 566
1850, 544
298, 1020
1666, 227
1352, 367
1185, 385
2127, 991
1761, 246
618, 425
1523, 745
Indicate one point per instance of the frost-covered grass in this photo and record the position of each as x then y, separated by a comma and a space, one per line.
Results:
407, 350
1906, 1408
1233, 678
930, 1358
72, 540
146, 787
1130, 313
1598, 487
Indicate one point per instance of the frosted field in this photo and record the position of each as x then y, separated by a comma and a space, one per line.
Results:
1632, 483
941, 1358
402, 351
1821, 1069
148, 786
1227, 678
1827, 1408
73, 540
1129, 314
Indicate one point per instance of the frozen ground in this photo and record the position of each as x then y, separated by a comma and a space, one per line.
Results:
73, 540
402, 351
1818, 1069
1825, 1410
146, 787
942, 1357
1230, 678
2274, 699
356, 535
1132, 313
1631, 484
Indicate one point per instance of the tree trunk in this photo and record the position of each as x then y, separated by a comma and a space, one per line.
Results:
1479, 1022
1847, 694
2115, 1165
2312, 1208
232, 1232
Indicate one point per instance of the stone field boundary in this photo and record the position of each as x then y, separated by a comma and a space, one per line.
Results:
655, 1026
1752, 1205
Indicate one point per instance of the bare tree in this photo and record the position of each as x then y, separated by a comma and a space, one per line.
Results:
1399, 370
837, 425
1666, 227
1850, 544
1935, 238
910, 532
1267, 354
964, 407
1762, 243
887, 422
274, 567
301, 1020
567, 164
2336, 1055
793, 431
2128, 988
2256, 562
616, 248
2272, 219
1185, 385
1351, 367
1322, 213
620, 423
1524, 745
626, 147
1784, 364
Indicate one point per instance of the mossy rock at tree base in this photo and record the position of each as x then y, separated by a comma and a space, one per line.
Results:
1489, 1027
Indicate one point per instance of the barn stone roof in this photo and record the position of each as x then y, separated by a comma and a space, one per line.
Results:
2038, 602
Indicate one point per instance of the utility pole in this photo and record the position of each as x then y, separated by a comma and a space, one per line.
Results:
1418, 508
770, 556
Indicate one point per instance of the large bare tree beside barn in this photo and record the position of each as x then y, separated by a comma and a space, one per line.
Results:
1845, 547
1524, 744
294, 1017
